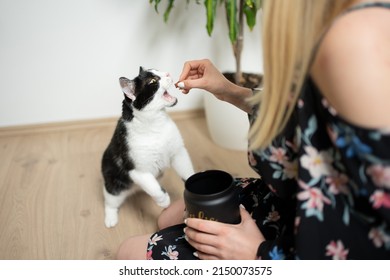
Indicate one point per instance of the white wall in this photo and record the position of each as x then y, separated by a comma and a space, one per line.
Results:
60, 60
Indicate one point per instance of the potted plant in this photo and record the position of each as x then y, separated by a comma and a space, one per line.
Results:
216, 111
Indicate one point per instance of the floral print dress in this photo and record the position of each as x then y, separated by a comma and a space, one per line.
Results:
334, 180
324, 191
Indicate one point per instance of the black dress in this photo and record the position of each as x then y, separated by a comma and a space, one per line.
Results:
324, 192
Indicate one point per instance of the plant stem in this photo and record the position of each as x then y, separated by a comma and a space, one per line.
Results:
238, 45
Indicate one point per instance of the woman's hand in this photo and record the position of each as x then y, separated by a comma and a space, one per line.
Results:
203, 74
219, 241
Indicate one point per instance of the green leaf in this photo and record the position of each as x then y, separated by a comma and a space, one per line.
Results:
168, 10
250, 10
249, 3
211, 10
231, 12
253, 3
156, 2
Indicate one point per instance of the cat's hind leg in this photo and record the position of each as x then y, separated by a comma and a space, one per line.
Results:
111, 206
151, 186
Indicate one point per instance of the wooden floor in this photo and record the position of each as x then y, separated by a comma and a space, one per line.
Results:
51, 189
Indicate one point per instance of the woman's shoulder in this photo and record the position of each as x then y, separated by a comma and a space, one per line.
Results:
352, 67
358, 25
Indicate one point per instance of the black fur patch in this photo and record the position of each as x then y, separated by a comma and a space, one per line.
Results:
116, 163
144, 90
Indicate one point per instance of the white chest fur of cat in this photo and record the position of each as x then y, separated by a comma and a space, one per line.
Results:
146, 142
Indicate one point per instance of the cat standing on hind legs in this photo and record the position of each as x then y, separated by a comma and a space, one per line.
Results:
145, 142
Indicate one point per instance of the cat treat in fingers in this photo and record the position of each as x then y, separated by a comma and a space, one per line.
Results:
180, 85
145, 142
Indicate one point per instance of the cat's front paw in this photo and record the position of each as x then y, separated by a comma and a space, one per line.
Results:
111, 218
163, 201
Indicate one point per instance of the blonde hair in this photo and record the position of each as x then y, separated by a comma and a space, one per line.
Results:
291, 29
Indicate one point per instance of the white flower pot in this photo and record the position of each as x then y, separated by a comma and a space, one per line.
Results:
228, 125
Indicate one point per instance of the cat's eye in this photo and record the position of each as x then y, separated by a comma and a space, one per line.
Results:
152, 81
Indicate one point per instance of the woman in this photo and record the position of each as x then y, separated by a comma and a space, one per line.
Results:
319, 138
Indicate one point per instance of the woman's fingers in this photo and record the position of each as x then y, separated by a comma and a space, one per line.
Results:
204, 256
201, 237
205, 244
190, 68
211, 227
206, 237
224, 241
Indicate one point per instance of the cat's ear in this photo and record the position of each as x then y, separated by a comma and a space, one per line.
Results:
128, 87
141, 69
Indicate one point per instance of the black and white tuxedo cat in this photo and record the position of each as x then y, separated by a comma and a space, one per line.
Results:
145, 142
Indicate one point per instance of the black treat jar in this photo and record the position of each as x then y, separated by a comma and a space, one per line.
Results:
212, 195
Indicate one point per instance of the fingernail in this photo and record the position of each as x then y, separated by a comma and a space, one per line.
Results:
196, 254
185, 221
242, 206
180, 85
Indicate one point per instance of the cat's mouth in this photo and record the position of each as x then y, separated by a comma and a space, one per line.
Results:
169, 98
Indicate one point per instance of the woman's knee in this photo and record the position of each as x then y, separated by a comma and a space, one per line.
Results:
172, 215
134, 248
